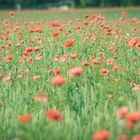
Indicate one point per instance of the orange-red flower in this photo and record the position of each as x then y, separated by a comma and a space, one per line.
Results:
27, 71
104, 72
58, 80
136, 87
102, 135
136, 137
69, 43
12, 14
54, 115
123, 137
122, 112
7, 79
132, 119
25, 118
84, 63
55, 71
8, 58
41, 98
74, 72
115, 67
134, 42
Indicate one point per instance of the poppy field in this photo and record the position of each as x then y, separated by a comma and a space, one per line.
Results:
71, 75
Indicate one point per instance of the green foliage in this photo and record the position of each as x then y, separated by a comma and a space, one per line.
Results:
78, 3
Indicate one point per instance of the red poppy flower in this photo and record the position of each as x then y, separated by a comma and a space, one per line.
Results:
54, 115
25, 118
74, 72
37, 48
132, 119
27, 71
122, 112
123, 137
8, 58
115, 67
136, 137
136, 87
134, 42
11, 13
7, 79
84, 63
69, 43
58, 80
104, 72
55, 71
101, 135
41, 98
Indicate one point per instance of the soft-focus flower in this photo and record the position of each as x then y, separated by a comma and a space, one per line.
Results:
102, 135
122, 112
134, 42
74, 72
136, 137
12, 14
55, 71
58, 80
41, 98
132, 119
104, 72
54, 115
25, 118
123, 137
69, 43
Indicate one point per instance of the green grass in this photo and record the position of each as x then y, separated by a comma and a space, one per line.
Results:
83, 101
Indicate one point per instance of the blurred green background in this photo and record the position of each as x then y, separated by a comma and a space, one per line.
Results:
45, 4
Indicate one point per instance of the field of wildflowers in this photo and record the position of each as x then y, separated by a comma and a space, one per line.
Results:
70, 76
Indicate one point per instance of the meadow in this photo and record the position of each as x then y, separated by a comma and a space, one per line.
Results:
72, 75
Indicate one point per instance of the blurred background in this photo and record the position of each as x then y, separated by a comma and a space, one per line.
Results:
64, 4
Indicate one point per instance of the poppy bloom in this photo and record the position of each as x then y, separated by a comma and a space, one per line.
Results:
136, 137
101, 135
74, 72
132, 119
55, 34
123, 137
55, 24
12, 14
37, 48
41, 98
69, 43
58, 80
54, 115
7, 79
136, 87
95, 61
27, 71
104, 72
122, 112
115, 67
0, 75
28, 50
110, 61
25, 118
8, 58
73, 56
38, 57
134, 42
84, 63
55, 71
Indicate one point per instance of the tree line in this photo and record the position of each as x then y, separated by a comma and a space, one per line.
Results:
77, 3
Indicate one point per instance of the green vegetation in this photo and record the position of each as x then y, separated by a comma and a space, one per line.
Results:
38, 51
